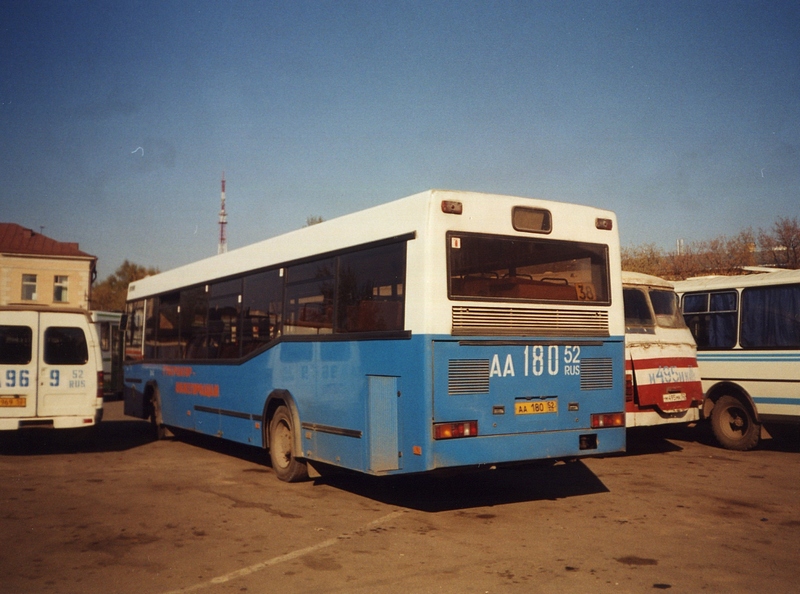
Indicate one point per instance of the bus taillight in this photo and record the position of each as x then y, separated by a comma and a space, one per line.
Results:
453, 430
629, 387
608, 420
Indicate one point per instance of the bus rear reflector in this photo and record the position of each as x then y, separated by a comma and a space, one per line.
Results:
608, 420
453, 430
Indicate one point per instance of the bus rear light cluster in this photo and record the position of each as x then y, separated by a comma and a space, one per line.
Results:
608, 420
629, 387
457, 429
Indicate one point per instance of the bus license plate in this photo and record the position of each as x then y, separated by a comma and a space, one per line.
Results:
12, 402
535, 408
680, 397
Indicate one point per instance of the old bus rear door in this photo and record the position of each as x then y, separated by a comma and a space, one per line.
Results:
67, 383
19, 338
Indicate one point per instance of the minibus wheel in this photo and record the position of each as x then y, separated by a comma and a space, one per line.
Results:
733, 424
281, 448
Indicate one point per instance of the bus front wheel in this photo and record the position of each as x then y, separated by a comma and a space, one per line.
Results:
733, 424
281, 446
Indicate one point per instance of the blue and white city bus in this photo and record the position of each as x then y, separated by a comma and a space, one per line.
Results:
442, 330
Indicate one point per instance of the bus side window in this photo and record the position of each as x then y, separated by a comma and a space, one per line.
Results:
262, 309
370, 290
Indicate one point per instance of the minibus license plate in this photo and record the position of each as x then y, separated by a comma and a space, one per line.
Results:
12, 402
535, 408
679, 397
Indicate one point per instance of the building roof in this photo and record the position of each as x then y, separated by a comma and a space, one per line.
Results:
16, 239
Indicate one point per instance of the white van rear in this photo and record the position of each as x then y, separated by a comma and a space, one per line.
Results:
51, 369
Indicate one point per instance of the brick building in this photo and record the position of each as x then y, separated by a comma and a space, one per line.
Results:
38, 270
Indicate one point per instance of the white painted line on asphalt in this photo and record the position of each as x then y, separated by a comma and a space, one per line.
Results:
282, 558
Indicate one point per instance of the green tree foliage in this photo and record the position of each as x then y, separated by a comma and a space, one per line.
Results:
110, 294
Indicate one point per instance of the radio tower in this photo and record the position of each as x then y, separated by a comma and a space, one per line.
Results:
223, 221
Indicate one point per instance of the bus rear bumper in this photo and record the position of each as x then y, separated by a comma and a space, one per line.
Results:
494, 449
51, 422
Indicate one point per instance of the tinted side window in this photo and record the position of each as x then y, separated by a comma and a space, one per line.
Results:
168, 334
65, 346
771, 317
224, 331
309, 298
370, 290
262, 307
15, 345
712, 318
194, 315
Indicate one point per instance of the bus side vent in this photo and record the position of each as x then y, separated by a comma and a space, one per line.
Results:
519, 321
468, 376
597, 374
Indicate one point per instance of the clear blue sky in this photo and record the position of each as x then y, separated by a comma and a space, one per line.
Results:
683, 117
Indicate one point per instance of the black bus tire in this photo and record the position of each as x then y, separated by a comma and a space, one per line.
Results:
733, 424
281, 448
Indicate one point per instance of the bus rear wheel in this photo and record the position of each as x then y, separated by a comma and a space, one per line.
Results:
281, 448
733, 424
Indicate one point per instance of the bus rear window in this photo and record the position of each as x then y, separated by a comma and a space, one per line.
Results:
65, 346
492, 267
15, 345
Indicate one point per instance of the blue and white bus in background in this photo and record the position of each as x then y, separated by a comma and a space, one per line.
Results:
107, 324
747, 330
442, 330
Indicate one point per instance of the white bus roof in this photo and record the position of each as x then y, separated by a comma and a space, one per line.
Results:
393, 219
645, 280
712, 283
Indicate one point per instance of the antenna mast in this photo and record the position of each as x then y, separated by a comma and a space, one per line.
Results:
223, 221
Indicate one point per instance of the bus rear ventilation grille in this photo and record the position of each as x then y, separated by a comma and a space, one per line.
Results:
597, 374
518, 321
468, 376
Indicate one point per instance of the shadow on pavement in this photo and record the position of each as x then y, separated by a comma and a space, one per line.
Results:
108, 436
473, 488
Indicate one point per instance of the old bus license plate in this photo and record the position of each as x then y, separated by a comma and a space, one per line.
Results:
12, 402
679, 397
535, 408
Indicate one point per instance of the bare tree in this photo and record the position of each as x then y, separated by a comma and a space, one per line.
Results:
781, 245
